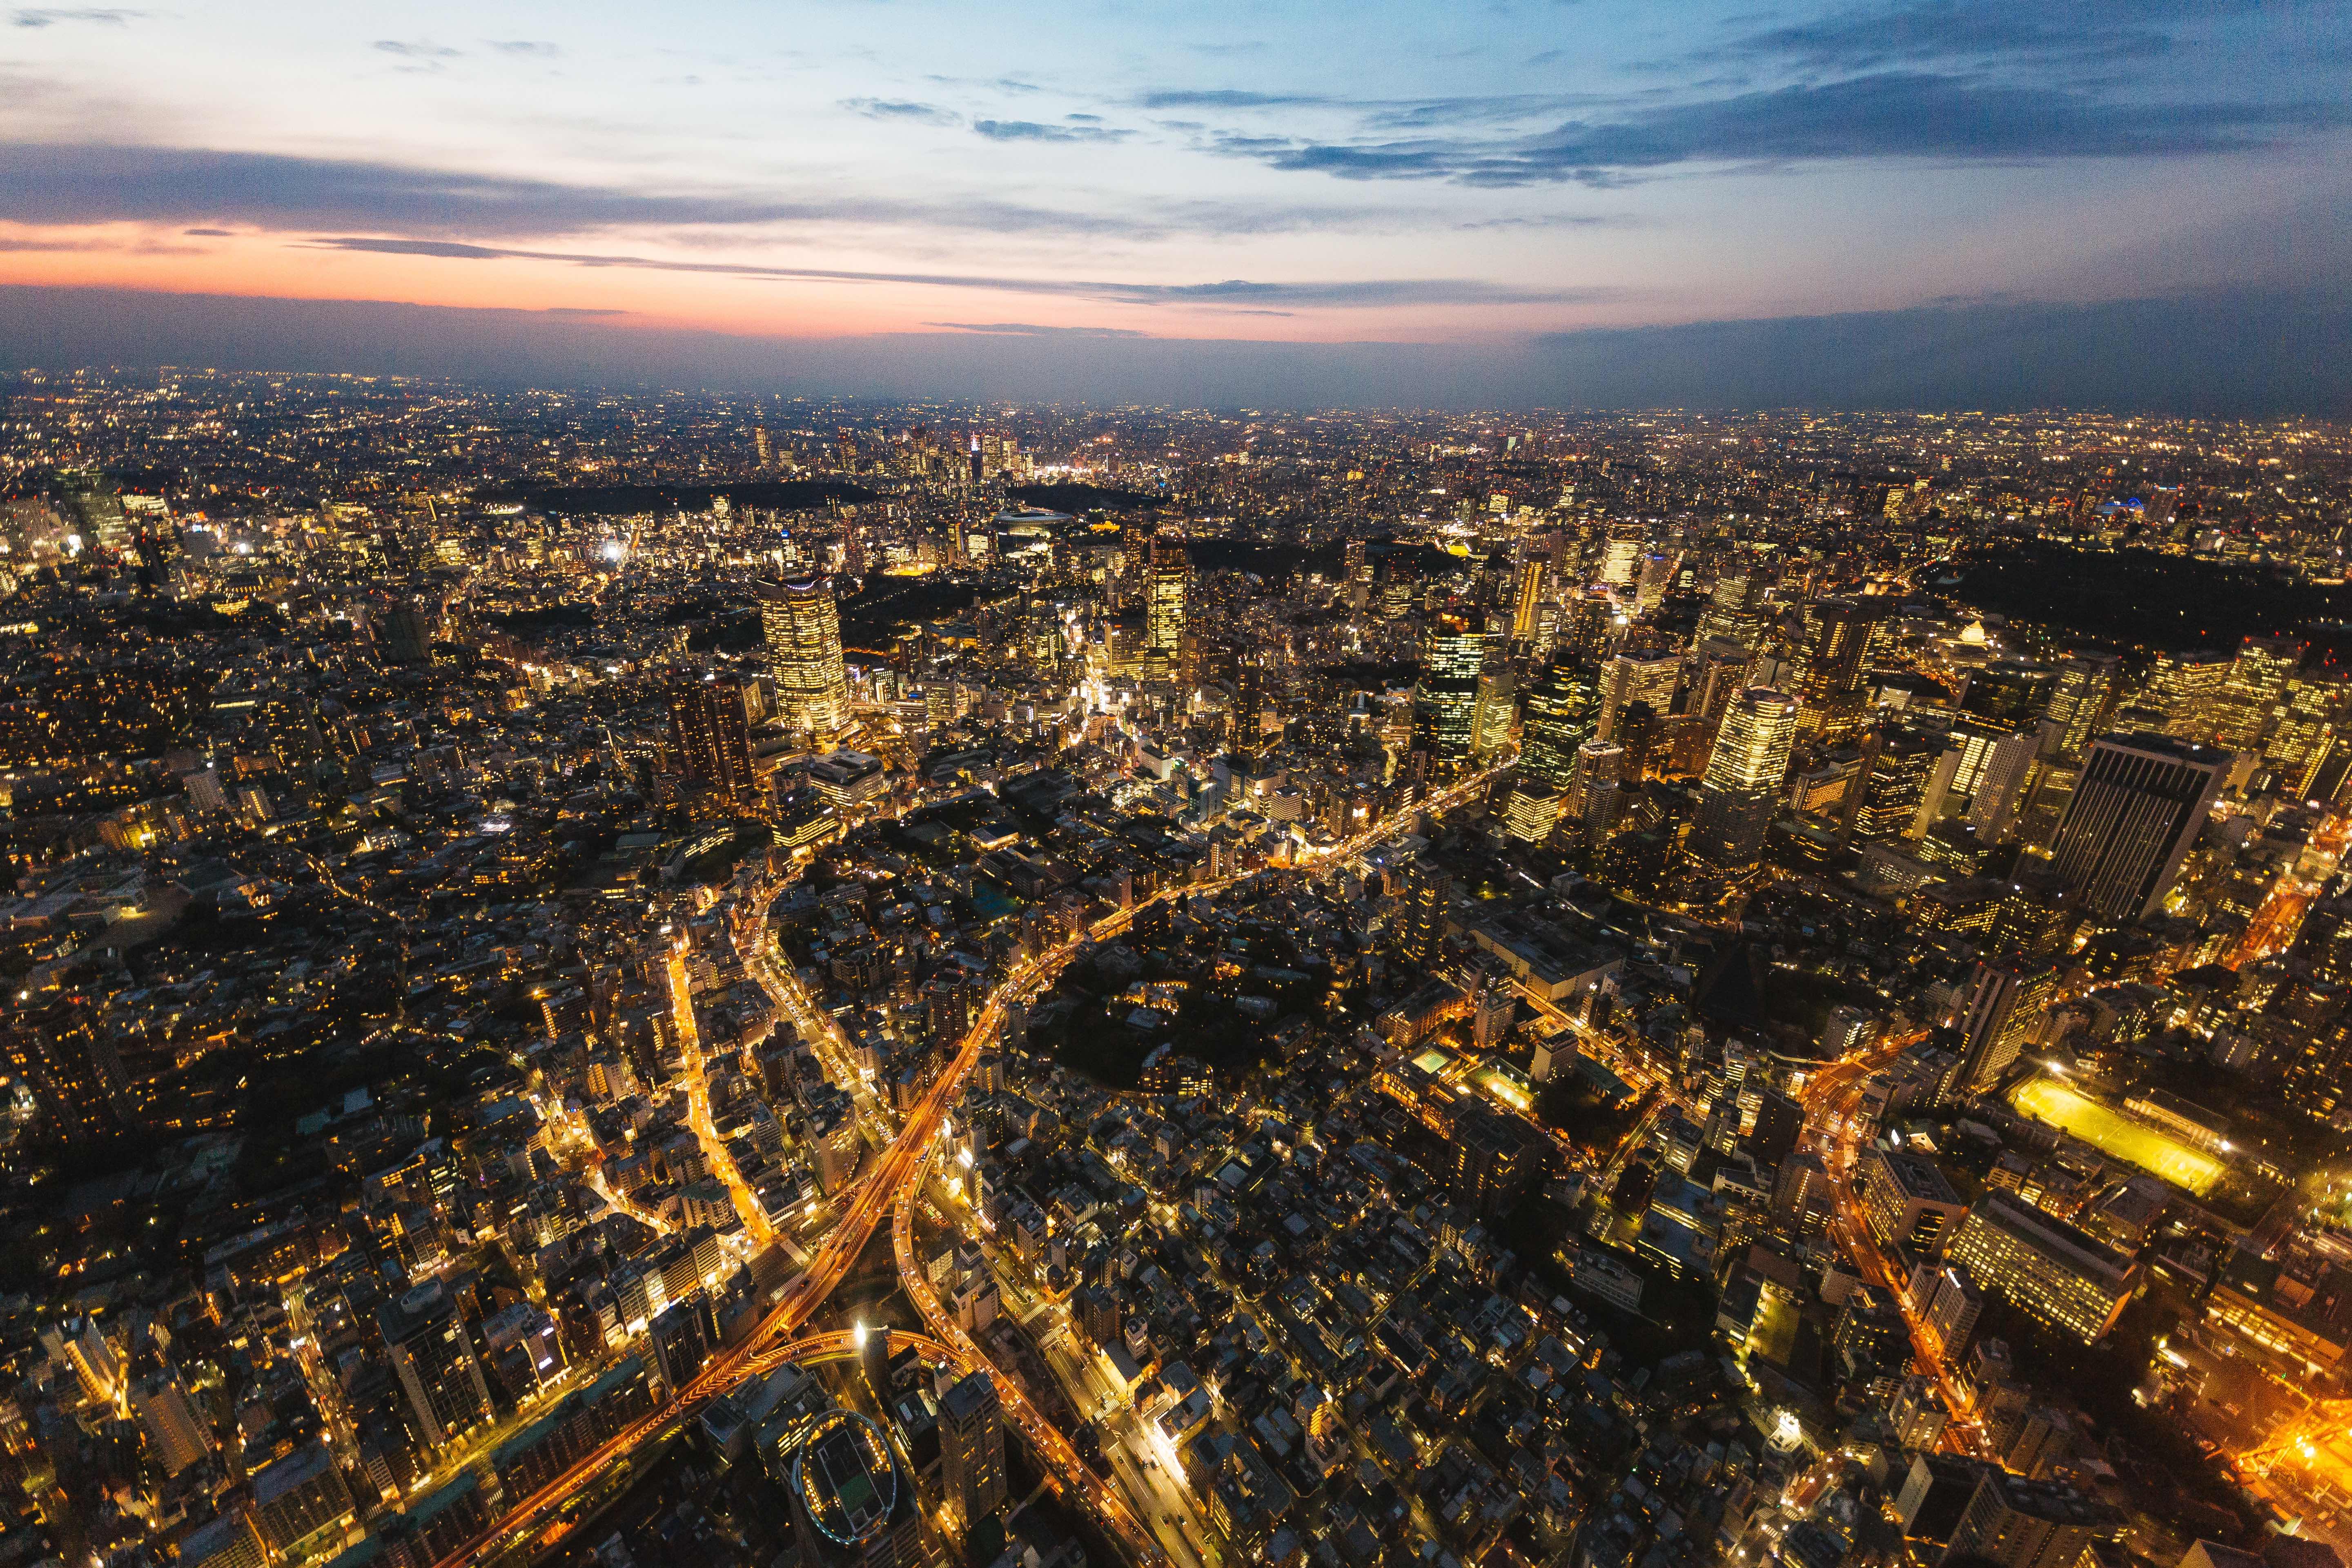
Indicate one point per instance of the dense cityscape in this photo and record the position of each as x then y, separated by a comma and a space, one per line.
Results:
632, 978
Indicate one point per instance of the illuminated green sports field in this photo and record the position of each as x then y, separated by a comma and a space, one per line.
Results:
2113, 1133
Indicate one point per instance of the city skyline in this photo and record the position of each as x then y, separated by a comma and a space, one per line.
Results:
1938, 204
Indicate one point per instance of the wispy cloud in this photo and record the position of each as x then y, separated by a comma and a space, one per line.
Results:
1032, 330
50, 16
62, 183
416, 49
1033, 130
529, 48
1345, 294
902, 109
1887, 114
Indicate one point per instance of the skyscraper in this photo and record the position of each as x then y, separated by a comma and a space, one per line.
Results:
1419, 922
1165, 591
2140, 803
2013, 693
2182, 697
433, 1355
1897, 786
1734, 610
2256, 682
1498, 705
2305, 734
2079, 701
1530, 596
2019, 1523
1648, 678
803, 627
1445, 703
1833, 661
2000, 786
708, 732
1559, 720
2007, 1006
1743, 777
972, 1448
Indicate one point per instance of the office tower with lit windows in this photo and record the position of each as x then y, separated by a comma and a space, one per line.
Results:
1423, 897
972, 1448
2000, 785
1896, 786
1648, 678
2008, 1004
1742, 781
1527, 600
2306, 734
2043, 1267
431, 1354
1833, 661
2081, 699
1167, 585
1718, 676
1559, 720
2253, 689
2137, 809
177, 1438
803, 628
2011, 1521
1445, 701
1734, 612
708, 732
1497, 706
1531, 812
2181, 697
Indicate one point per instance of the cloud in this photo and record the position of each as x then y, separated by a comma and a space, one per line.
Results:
210, 233
1030, 130
1887, 114
45, 17
420, 49
60, 183
1032, 330
1357, 293
533, 49
1945, 32
1228, 98
901, 109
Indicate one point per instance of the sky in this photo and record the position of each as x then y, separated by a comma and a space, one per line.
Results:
1562, 201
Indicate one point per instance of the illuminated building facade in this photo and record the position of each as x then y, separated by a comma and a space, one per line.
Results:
802, 624
2044, 1266
1742, 782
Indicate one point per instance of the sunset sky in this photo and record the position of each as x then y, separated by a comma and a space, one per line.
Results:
1466, 179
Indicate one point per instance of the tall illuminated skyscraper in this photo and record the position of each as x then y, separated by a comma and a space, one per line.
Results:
1444, 705
2252, 690
803, 626
2140, 803
1531, 596
1163, 625
972, 1448
1833, 661
1648, 678
1559, 720
2086, 688
1743, 778
708, 732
